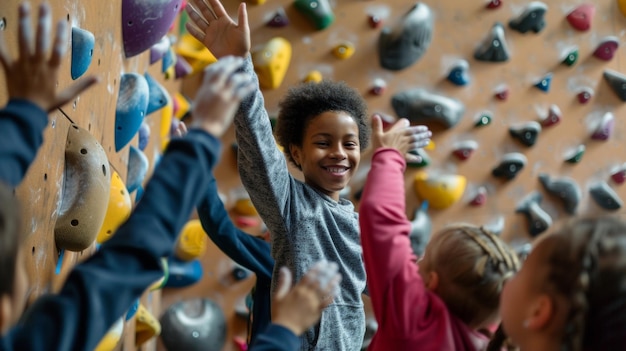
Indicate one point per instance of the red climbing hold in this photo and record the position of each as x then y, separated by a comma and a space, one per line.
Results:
502, 93
480, 198
494, 4
584, 95
607, 48
580, 18
553, 117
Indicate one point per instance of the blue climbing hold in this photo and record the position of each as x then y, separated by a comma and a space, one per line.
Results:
157, 94
544, 83
83, 43
182, 273
137, 168
459, 73
132, 103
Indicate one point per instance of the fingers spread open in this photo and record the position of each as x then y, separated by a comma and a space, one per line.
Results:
60, 44
25, 35
43, 28
5, 59
284, 283
218, 9
220, 71
196, 19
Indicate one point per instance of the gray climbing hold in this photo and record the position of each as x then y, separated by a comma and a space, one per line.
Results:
538, 219
494, 47
421, 229
532, 18
407, 41
194, 325
421, 106
565, 189
511, 164
617, 82
526, 133
605, 196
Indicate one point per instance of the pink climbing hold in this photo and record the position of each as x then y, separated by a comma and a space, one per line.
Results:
375, 21
584, 95
619, 174
241, 343
607, 48
580, 18
553, 117
494, 4
502, 93
480, 198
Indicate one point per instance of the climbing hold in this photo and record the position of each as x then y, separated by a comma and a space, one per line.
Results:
421, 229
132, 104
621, 5
196, 54
159, 49
168, 63
344, 50
575, 155
193, 325
132, 311
375, 21
580, 18
421, 106
565, 189
441, 191
538, 219
85, 191
239, 273
526, 133
480, 197
144, 23
191, 242
496, 227
494, 4
378, 87
501, 93
258, 2
241, 343
510, 165
605, 196
146, 326
279, 19
318, 12
247, 221
144, 136
182, 68
183, 274
424, 160
464, 149
617, 82
544, 83
553, 117
244, 207
83, 43
138, 165
607, 48
483, 119
459, 73
584, 95
407, 41
605, 126
157, 96
493, 47
271, 62
571, 56
532, 18
118, 208
618, 174
112, 338
313, 76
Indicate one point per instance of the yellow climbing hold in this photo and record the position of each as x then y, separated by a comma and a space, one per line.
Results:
441, 191
118, 210
271, 62
112, 338
196, 54
245, 207
146, 326
191, 242
430, 146
621, 4
344, 50
313, 76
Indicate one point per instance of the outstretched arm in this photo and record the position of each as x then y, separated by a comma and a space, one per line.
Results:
31, 84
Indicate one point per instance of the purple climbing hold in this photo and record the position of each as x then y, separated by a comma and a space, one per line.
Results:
279, 19
584, 95
144, 23
182, 68
607, 48
159, 49
604, 128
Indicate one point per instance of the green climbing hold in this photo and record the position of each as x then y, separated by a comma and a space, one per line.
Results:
317, 11
482, 120
571, 58
575, 155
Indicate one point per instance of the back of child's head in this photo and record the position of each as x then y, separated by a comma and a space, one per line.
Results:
308, 100
587, 265
472, 265
10, 239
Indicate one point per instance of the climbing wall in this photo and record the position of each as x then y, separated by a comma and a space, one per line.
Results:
88, 123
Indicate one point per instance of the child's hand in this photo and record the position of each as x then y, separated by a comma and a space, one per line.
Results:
33, 76
219, 95
212, 26
300, 308
401, 136
181, 130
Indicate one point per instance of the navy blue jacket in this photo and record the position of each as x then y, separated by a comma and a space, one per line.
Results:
248, 251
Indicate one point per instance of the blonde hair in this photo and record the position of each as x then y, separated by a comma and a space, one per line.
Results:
472, 264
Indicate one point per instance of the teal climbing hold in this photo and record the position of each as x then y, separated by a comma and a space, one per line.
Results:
83, 43
138, 165
132, 103
544, 83
157, 94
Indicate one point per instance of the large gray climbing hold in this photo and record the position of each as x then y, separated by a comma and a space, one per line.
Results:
565, 189
538, 219
617, 82
406, 42
421, 106
494, 47
194, 325
605, 196
421, 229
531, 19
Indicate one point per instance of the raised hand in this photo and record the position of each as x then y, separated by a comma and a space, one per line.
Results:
33, 75
219, 95
401, 136
301, 307
212, 26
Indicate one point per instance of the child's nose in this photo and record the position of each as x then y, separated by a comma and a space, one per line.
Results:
338, 152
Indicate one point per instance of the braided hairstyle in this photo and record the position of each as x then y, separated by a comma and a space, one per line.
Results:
473, 264
588, 268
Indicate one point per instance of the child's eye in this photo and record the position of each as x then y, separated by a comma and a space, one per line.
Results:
351, 145
321, 143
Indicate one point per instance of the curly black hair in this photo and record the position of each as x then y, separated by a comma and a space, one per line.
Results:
308, 100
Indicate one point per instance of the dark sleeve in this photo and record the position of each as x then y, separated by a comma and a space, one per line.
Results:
22, 124
100, 290
248, 251
276, 338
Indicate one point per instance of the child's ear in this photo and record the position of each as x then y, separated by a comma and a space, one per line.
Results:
433, 281
6, 313
295, 154
542, 311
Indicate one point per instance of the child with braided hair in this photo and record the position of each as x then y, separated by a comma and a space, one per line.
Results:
455, 291
571, 291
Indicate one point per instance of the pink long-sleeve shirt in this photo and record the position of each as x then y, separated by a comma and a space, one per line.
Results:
409, 316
